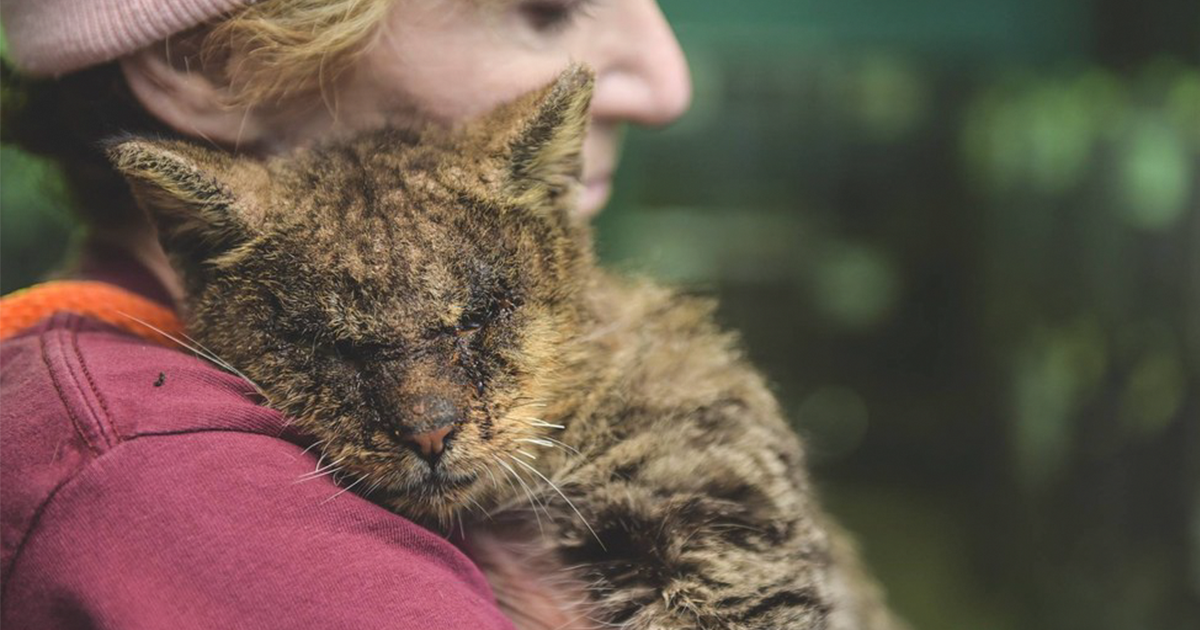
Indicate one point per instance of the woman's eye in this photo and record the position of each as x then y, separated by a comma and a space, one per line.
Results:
549, 16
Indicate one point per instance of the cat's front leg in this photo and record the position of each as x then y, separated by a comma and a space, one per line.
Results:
687, 562
689, 526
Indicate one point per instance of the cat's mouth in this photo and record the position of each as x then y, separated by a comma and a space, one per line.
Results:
441, 480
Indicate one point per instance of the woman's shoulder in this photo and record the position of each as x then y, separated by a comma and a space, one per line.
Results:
110, 387
75, 390
127, 461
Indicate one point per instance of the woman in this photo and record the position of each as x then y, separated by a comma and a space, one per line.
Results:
144, 488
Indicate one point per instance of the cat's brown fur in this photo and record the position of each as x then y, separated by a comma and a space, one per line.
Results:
405, 280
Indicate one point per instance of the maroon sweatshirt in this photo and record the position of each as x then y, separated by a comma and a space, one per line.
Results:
144, 488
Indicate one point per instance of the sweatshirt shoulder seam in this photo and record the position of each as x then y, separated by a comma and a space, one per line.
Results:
76, 422
104, 419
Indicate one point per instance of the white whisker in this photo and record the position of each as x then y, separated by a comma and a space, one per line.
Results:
317, 475
311, 446
320, 470
564, 496
563, 444
483, 510
491, 474
345, 490
529, 492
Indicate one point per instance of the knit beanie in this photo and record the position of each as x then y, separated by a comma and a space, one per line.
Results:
55, 37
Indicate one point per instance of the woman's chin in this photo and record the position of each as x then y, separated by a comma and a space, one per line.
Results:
594, 196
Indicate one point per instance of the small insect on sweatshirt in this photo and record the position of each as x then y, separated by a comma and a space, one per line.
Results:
141, 487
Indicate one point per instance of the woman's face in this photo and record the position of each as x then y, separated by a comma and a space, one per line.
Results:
447, 60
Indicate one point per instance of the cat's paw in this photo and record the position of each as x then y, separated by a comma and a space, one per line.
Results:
783, 610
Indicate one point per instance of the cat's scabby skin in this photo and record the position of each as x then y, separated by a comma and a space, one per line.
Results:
408, 283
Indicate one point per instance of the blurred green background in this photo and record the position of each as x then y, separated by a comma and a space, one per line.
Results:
962, 237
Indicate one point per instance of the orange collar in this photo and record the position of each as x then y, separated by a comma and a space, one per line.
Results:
98, 300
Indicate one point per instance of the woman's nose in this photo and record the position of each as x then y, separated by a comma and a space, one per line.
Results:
642, 75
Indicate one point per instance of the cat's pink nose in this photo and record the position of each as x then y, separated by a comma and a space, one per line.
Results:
430, 444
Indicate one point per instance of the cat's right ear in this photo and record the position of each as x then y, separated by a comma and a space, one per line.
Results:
202, 201
538, 139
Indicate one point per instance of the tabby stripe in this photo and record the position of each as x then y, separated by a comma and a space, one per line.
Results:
803, 598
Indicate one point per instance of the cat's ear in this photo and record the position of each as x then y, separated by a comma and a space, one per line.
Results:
542, 137
202, 201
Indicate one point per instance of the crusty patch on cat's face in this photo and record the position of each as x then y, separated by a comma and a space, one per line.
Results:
391, 284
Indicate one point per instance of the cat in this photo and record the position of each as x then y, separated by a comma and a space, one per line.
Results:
424, 303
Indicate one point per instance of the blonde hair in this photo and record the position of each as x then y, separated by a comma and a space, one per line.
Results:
278, 49
270, 51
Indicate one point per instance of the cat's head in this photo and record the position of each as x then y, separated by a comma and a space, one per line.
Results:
411, 298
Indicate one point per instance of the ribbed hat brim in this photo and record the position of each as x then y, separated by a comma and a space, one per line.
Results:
55, 37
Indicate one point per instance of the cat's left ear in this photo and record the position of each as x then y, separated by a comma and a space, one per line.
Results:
203, 201
545, 141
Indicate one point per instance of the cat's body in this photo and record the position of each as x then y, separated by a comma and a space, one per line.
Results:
686, 474
425, 306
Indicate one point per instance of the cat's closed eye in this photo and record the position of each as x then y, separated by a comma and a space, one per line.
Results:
361, 350
475, 319
470, 323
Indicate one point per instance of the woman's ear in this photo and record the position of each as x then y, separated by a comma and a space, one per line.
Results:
193, 100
